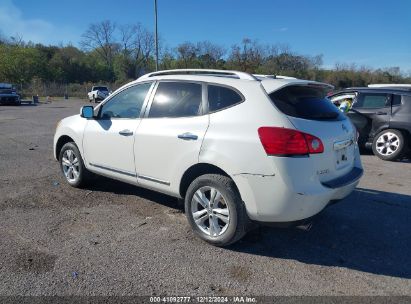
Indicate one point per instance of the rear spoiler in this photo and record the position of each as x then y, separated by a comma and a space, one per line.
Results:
261, 77
271, 85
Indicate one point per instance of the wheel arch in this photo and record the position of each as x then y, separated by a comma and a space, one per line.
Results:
406, 133
197, 170
61, 142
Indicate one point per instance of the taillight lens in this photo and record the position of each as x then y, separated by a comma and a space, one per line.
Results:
288, 142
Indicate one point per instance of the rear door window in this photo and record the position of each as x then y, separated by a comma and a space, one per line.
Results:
177, 99
305, 102
372, 101
222, 97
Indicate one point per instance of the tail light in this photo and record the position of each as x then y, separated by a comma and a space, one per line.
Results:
288, 142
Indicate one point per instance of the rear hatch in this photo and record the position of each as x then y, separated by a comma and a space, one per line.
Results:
306, 107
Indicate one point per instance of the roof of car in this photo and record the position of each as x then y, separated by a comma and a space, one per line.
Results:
228, 77
391, 90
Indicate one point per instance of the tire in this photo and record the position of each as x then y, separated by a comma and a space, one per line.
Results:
390, 145
72, 166
229, 205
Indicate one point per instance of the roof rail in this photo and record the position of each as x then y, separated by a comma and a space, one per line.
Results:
388, 85
261, 76
202, 72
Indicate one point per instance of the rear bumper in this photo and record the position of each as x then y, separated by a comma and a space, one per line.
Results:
345, 180
268, 199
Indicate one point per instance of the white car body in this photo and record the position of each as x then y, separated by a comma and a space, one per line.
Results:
273, 188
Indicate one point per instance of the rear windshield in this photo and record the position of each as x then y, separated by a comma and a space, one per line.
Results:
305, 102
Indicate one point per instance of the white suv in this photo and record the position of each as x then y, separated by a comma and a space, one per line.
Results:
238, 148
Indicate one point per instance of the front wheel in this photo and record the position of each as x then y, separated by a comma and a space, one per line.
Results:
390, 144
72, 165
215, 210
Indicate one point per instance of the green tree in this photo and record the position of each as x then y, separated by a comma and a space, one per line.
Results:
21, 64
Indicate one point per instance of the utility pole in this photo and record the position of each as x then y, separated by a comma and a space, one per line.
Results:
156, 32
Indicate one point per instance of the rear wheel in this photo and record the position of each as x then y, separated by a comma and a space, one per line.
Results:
390, 144
215, 210
72, 165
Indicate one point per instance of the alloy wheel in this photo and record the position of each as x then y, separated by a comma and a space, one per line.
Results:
387, 143
71, 165
210, 211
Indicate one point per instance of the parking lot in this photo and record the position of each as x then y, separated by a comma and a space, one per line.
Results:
116, 239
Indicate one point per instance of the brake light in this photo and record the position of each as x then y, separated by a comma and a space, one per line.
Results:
287, 142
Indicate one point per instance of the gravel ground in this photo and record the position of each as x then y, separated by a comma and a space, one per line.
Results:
117, 239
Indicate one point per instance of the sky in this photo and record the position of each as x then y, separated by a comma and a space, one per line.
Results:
373, 33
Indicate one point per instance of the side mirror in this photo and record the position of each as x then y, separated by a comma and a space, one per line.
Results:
87, 112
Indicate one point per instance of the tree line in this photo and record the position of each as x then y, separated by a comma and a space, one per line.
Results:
116, 54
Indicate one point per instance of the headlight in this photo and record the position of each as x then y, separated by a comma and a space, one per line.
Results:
58, 123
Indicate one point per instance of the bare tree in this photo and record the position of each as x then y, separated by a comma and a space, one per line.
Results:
248, 57
187, 52
216, 52
17, 40
100, 37
210, 55
143, 47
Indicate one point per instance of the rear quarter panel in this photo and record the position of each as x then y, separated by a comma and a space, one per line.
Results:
232, 142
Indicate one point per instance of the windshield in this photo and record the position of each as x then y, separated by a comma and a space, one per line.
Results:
100, 89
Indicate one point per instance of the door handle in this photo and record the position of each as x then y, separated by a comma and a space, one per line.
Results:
126, 132
381, 113
188, 136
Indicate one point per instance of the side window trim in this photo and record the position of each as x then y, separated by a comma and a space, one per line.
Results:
204, 101
146, 99
227, 87
149, 100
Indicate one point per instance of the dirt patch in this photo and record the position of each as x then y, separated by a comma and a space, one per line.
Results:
240, 273
34, 262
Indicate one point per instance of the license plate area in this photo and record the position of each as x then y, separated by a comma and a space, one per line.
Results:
344, 153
